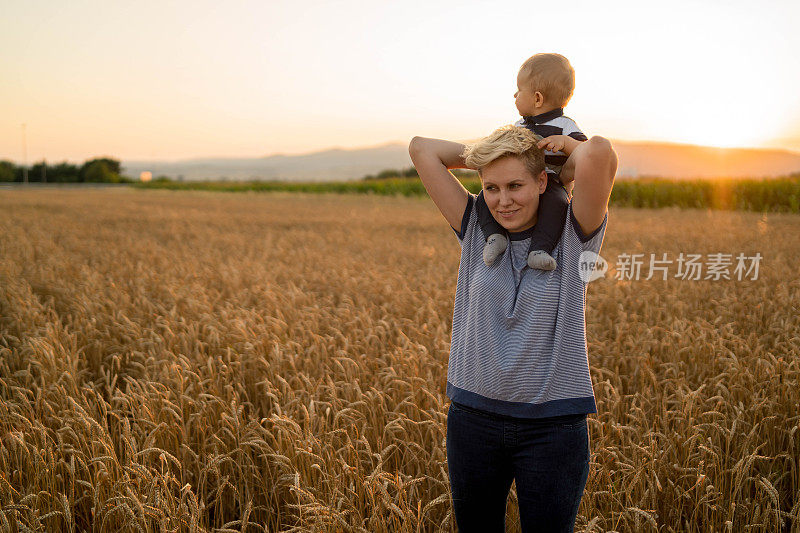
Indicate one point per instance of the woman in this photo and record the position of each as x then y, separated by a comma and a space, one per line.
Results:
518, 375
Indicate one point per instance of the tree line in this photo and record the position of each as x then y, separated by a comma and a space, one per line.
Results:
97, 170
411, 172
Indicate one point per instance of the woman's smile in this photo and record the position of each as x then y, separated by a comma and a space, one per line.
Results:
509, 213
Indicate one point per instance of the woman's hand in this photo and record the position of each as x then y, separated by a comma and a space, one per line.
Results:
448, 152
432, 158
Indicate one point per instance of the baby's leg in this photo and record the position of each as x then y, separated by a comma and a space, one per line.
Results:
549, 225
493, 232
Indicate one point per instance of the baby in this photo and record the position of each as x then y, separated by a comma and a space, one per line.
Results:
544, 86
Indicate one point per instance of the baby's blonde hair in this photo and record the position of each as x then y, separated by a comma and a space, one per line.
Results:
552, 75
506, 141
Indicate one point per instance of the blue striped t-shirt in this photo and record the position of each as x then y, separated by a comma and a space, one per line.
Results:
518, 345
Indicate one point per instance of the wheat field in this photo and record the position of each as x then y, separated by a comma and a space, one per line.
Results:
195, 361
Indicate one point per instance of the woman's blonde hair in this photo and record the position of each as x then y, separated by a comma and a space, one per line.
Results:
503, 142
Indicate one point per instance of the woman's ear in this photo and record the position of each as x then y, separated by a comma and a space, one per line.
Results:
542, 181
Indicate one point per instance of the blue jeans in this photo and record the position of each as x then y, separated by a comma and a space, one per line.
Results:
548, 458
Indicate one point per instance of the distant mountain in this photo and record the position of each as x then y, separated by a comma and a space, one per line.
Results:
328, 165
636, 159
689, 161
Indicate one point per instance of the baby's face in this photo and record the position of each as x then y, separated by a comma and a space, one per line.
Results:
524, 98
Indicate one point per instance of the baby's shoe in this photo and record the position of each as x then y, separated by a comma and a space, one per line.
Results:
541, 260
494, 248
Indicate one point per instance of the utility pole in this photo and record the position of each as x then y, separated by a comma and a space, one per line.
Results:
24, 156
44, 171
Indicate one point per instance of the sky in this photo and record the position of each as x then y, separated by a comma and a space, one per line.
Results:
175, 80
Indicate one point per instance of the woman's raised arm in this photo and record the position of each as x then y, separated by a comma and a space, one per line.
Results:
432, 158
593, 166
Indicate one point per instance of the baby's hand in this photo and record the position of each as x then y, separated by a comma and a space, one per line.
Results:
554, 143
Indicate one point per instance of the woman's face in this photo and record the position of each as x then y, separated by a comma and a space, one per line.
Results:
512, 192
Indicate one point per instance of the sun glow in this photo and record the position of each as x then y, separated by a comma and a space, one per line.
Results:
732, 137
323, 74
722, 129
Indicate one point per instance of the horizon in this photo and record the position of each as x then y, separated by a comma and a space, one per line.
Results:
393, 143
147, 83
